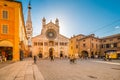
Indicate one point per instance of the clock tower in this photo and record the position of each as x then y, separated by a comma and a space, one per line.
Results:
29, 29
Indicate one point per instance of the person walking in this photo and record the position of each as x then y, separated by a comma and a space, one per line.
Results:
52, 58
0, 58
72, 59
35, 59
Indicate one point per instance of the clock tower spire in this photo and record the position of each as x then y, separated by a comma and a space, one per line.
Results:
29, 28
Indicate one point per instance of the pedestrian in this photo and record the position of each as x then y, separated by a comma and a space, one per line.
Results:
72, 59
109, 57
0, 58
52, 58
35, 59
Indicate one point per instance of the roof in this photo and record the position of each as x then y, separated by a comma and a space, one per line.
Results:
89, 36
12, 1
111, 36
74, 36
36, 36
63, 36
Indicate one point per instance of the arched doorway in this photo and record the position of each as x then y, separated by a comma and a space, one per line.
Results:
51, 52
6, 50
84, 54
40, 54
61, 54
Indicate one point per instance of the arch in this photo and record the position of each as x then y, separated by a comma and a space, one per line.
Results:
40, 54
61, 54
84, 54
51, 51
6, 43
51, 54
6, 49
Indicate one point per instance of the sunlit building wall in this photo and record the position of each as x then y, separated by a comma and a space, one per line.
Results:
89, 46
50, 41
74, 44
84, 46
12, 30
110, 43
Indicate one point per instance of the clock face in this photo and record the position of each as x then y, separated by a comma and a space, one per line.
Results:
51, 34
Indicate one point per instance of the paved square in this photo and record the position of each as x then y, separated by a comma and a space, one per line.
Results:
81, 70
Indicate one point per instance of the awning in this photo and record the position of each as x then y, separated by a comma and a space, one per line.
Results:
6, 44
110, 51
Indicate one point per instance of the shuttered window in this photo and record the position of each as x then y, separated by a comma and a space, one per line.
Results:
5, 14
4, 29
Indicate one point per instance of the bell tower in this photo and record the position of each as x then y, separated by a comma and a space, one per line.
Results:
57, 22
29, 28
43, 21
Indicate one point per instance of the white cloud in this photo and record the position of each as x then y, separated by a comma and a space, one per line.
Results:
117, 27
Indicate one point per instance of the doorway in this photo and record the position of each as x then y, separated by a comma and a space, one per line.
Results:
6, 52
50, 52
84, 54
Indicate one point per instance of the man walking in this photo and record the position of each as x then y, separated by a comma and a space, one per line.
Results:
35, 59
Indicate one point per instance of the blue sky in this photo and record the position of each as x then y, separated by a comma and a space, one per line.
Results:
101, 17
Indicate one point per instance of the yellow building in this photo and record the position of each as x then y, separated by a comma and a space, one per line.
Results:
12, 30
89, 46
74, 45
110, 44
84, 46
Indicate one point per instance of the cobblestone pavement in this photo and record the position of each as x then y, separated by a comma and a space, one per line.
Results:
21, 70
81, 70
3, 64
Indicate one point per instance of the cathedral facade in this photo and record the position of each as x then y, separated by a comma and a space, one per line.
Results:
50, 41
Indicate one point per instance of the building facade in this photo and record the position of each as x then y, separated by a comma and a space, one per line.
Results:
50, 41
91, 46
74, 44
110, 43
85, 46
13, 37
